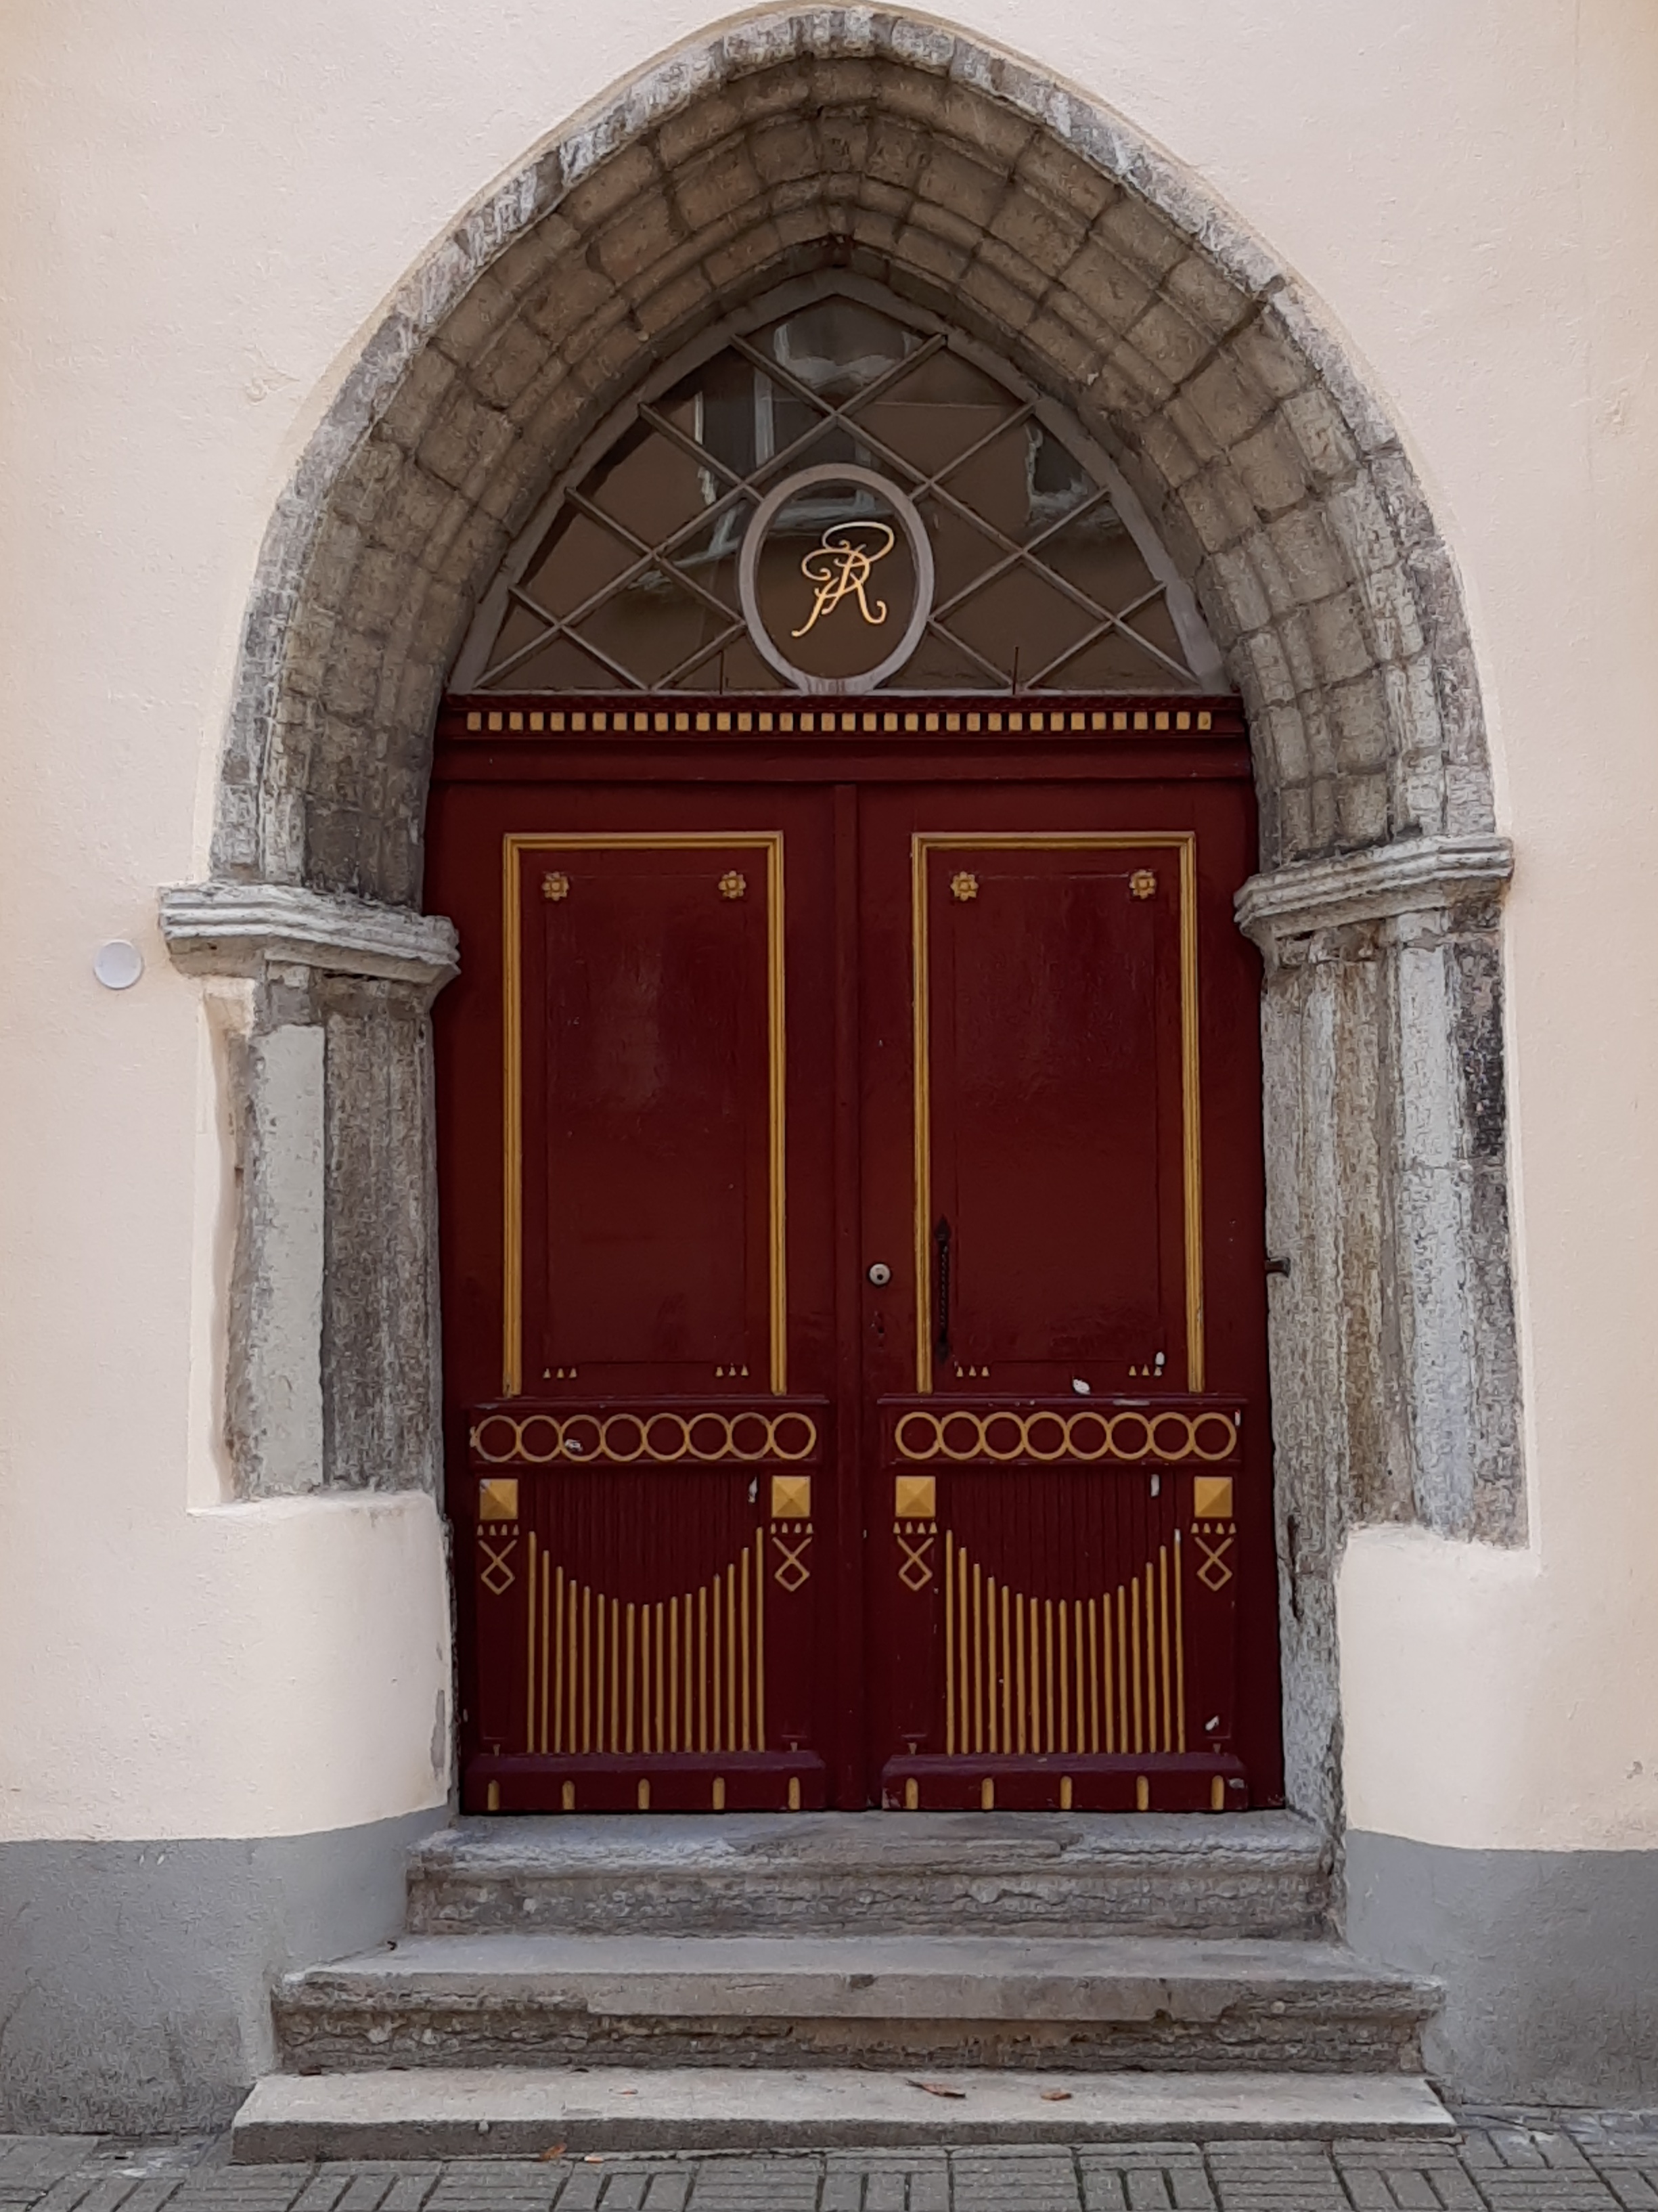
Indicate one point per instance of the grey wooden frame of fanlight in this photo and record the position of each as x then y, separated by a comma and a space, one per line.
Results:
747, 589
1205, 670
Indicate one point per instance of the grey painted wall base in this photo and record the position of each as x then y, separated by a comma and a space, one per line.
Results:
135, 1977
1550, 1960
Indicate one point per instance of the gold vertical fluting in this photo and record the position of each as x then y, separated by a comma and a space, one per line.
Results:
730, 1743
1094, 1677
1019, 1706
703, 1668
949, 1644
558, 1659
588, 1671
744, 1646
1163, 1644
613, 1676
616, 1670
1065, 1675
1036, 1676
1050, 1742
759, 1573
1007, 1672
627, 1691
546, 1652
1180, 1653
978, 1665
530, 1650
675, 1727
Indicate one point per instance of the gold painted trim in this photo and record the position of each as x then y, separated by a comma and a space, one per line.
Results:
1184, 844
1092, 1434
589, 1439
514, 847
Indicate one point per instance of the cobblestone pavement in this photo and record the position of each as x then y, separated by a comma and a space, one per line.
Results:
1579, 2163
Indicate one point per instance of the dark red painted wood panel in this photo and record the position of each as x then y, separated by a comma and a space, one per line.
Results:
722, 972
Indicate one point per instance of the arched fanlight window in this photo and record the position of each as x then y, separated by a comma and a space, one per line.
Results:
840, 494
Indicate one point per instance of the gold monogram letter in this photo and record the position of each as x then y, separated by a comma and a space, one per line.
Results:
839, 569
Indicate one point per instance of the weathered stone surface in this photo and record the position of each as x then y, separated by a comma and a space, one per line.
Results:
1019, 2001
1258, 1874
441, 2111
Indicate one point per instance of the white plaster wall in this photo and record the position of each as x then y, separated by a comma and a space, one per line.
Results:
202, 207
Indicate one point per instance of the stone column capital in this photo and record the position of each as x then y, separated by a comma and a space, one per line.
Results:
1412, 875
245, 929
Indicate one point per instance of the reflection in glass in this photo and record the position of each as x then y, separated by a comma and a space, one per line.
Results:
1039, 583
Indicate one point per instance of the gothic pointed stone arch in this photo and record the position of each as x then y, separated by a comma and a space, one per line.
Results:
965, 181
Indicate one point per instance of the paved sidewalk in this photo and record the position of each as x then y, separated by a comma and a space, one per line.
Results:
1582, 2163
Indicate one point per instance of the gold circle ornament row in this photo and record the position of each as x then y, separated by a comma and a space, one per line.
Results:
539, 1440
1089, 1435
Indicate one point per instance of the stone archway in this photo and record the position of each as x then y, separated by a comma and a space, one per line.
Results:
960, 178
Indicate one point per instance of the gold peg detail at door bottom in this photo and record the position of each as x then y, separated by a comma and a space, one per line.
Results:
912, 1794
1064, 1793
644, 1797
986, 1796
1217, 1795
1142, 1794
794, 1793
492, 1799
719, 1793
566, 1798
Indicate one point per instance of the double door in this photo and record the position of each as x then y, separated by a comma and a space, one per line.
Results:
854, 1286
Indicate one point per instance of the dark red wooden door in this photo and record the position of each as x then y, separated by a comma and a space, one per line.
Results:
1061, 1486
853, 1273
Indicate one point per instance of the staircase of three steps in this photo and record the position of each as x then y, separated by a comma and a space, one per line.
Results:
684, 1983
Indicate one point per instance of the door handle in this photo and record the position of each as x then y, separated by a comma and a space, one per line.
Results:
941, 1244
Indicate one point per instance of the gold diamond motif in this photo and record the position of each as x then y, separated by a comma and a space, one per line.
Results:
1214, 1574
916, 1571
792, 1573
497, 1576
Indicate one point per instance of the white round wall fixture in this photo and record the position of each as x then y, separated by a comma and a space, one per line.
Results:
906, 519
118, 965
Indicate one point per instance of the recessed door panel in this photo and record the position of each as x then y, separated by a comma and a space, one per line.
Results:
650, 1039
1052, 1134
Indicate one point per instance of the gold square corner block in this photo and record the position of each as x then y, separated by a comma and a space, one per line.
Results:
1211, 1497
498, 1498
915, 1497
791, 1498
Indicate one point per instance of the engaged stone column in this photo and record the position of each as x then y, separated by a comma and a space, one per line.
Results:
334, 1376
1394, 1376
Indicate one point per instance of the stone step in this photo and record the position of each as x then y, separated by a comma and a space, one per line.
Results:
1228, 1874
1178, 2003
524, 2112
